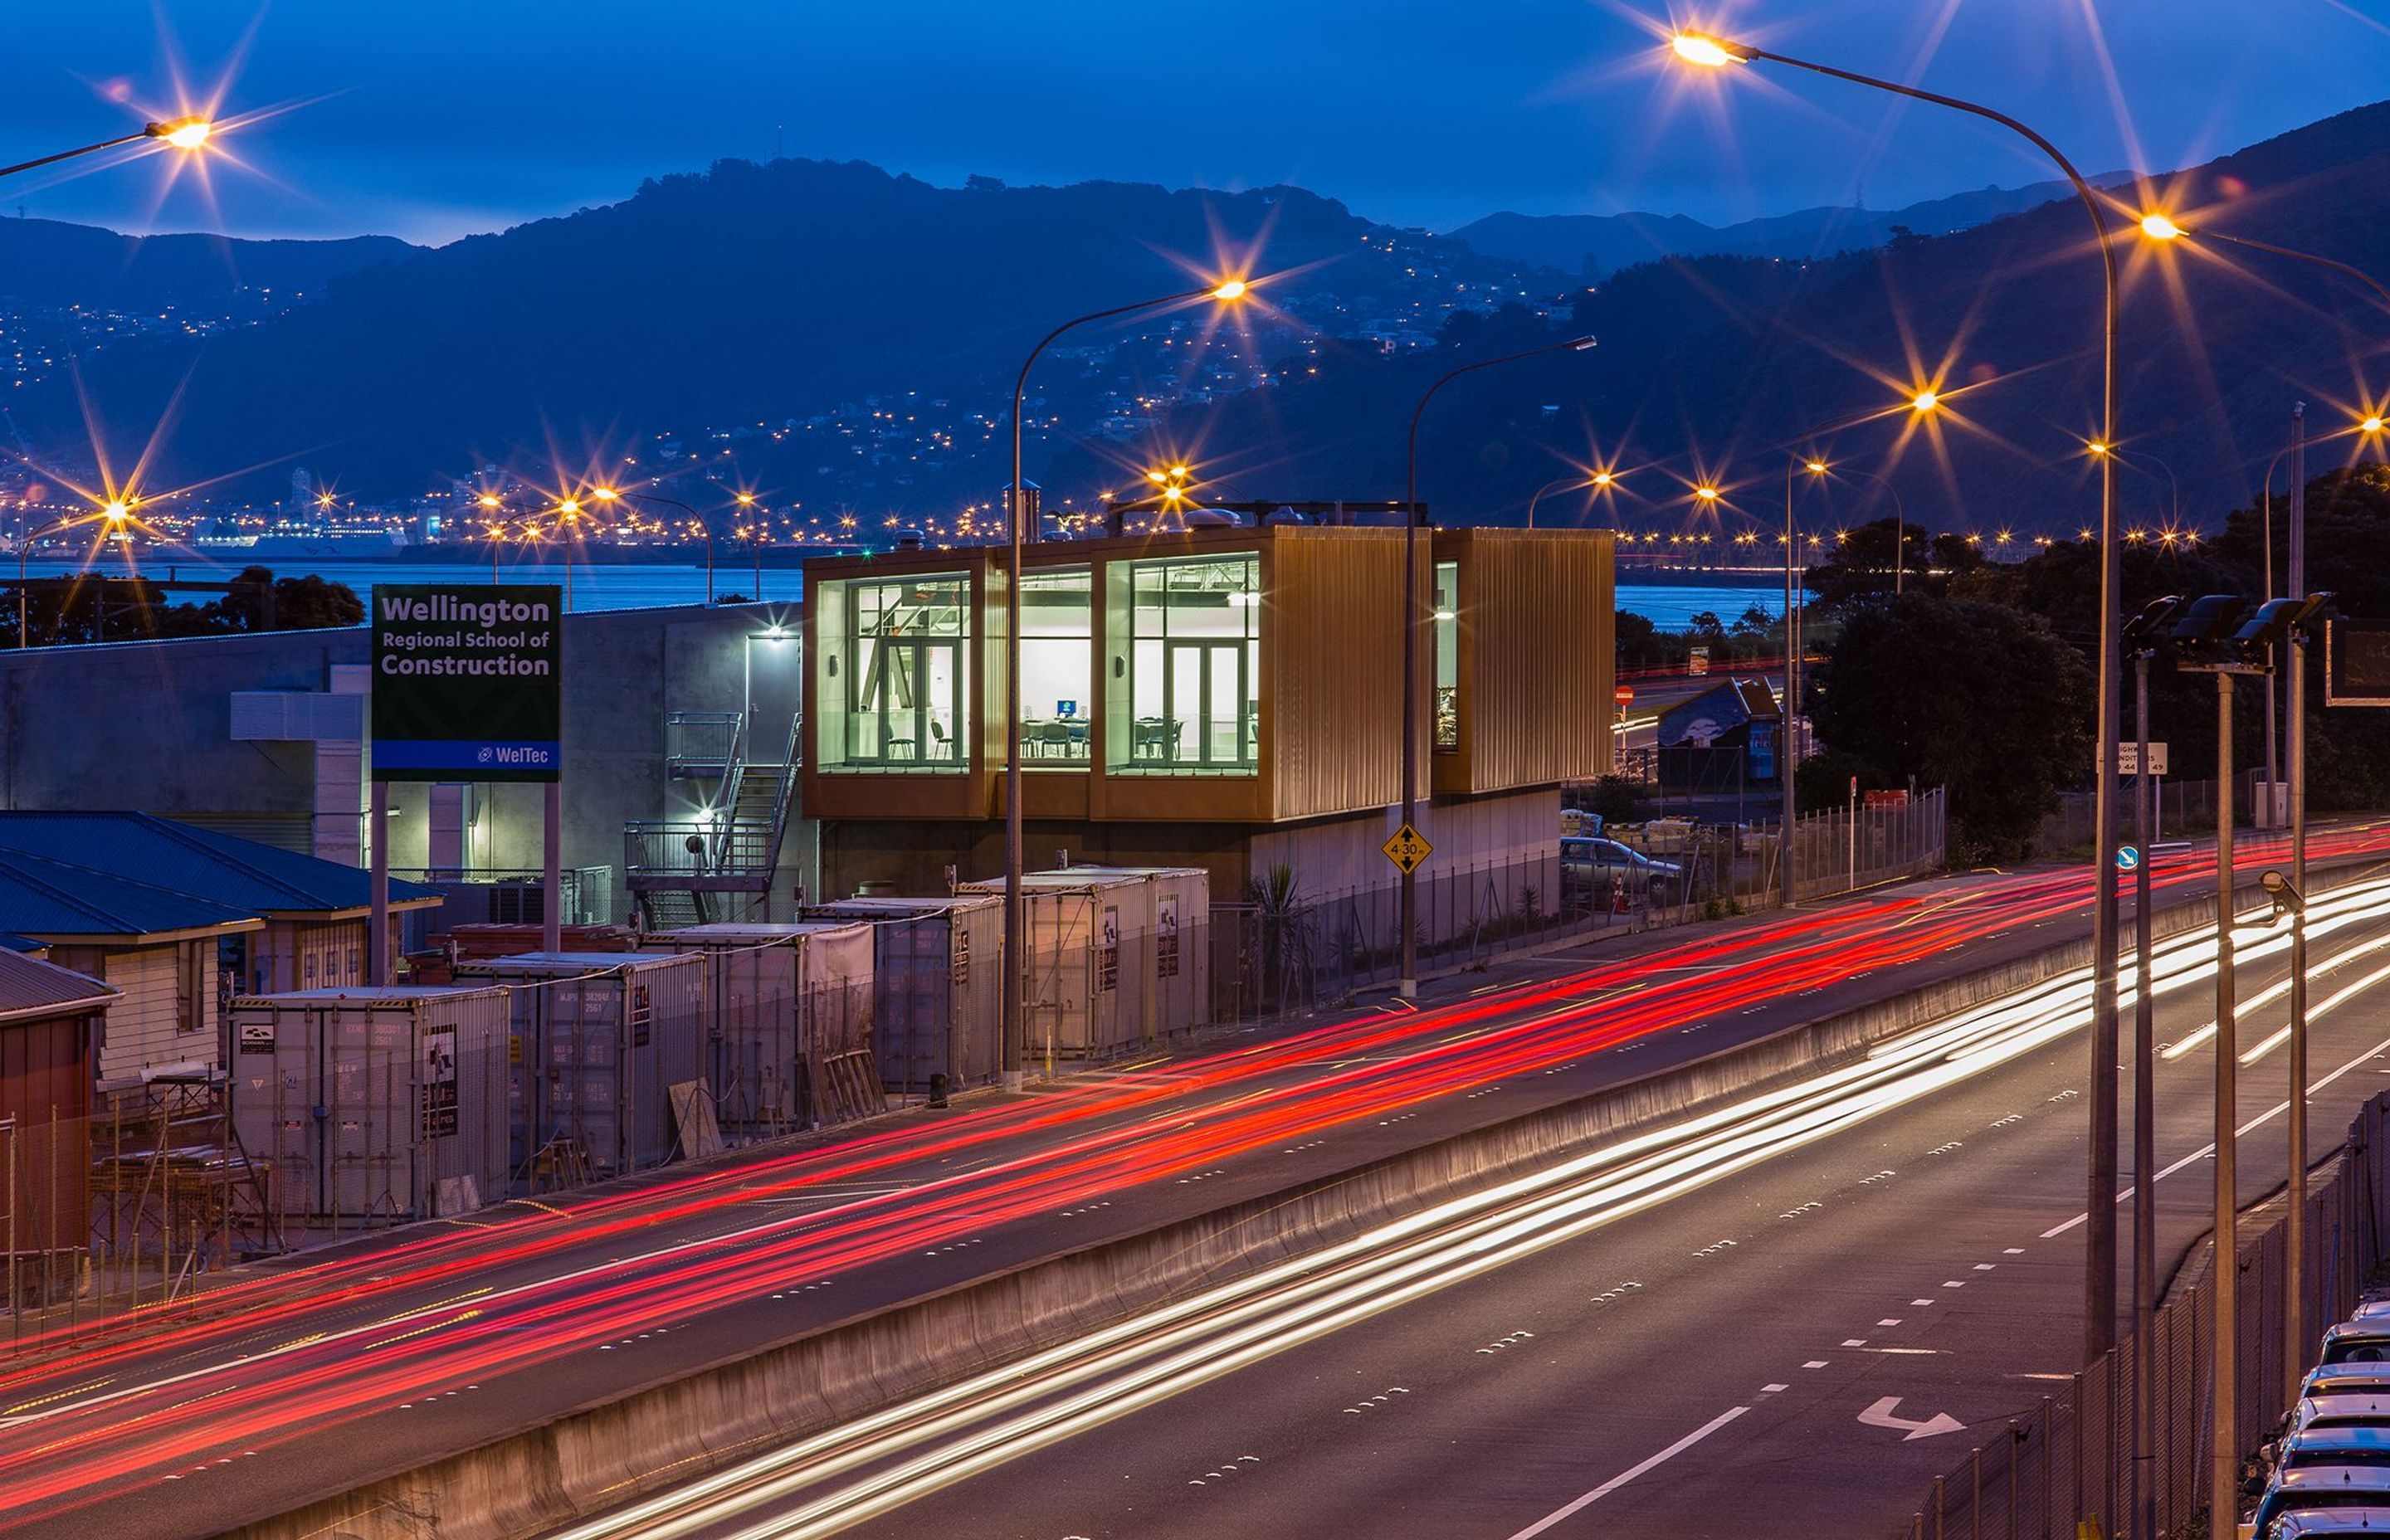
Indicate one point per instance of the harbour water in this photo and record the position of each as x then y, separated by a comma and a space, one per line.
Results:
644, 585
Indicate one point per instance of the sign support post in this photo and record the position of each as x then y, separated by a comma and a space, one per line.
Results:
551, 876
378, 905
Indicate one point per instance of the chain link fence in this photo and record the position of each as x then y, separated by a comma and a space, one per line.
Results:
2068, 1461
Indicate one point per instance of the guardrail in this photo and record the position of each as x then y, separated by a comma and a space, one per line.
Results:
698, 850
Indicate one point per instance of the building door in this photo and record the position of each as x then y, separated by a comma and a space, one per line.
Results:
1206, 685
912, 700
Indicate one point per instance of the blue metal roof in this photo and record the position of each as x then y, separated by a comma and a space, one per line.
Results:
40, 897
201, 864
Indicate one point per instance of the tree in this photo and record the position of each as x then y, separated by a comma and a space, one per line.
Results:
1861, 562
1976, 698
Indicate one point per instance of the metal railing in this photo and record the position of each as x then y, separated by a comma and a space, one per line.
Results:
513, 896
701, 743
2068, 1461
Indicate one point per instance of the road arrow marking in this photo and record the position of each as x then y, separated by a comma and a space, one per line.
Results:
1880, 1416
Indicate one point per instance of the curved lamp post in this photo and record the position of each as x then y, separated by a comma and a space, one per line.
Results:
2099, 1269
2160, 226
1407, 984
1016, 512
611, 494
115, 514
1600, 480
184, 134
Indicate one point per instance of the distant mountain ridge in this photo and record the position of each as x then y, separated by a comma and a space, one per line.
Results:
44, 262
1572, 243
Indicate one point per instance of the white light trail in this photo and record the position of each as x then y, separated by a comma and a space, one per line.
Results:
832, 1481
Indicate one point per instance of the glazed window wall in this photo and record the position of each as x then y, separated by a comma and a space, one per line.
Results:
1186, 695
1447, 632
1058, 614
893, 674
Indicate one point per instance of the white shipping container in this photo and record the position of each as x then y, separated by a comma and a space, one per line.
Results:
784, 999
374, 1105
937, 984
1083, 923
1175, 956
599, 1039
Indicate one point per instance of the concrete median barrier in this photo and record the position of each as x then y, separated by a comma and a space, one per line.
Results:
655, 1435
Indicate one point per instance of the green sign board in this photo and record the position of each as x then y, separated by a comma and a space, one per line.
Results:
466, 682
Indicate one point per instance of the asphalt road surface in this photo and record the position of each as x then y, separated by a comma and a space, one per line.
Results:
299, 1381
1780, 1320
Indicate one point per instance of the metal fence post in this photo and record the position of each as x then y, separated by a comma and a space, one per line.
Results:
2012, 1478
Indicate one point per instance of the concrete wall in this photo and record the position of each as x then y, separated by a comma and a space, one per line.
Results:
146, 726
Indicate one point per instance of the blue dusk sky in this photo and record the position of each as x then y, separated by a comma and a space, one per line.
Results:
432, 119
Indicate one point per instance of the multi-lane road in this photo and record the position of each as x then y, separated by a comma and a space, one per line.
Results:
288, 1384
1782, 1319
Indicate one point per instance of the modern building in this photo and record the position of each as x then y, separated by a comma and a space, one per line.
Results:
1227, 697
677, 724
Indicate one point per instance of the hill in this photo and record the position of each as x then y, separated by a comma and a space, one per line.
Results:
743, 302
1597, 244
1731, 364
44, 261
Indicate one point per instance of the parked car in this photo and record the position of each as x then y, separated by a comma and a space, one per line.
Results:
1589, 867
2321, 1487
2336, 1523
2367, 1410
2360, 1340
2347, 1380
2313, 1446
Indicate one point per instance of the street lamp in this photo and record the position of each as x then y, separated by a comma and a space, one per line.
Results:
2099, 1251
567, 521
613, 495
2143, 637
183, 133
2207, 628
2174, 488
1407, 984
1227, 291
115, 513
490, 504
1600, 480
2163, 227
1786, 754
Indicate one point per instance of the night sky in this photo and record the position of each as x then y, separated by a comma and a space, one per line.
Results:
432, 119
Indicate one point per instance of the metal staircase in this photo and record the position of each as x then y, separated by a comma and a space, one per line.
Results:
689, 871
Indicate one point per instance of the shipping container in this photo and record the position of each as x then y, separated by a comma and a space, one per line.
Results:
374, 1106
789, 1039
601, 1040
937, 985
1083, 923
1174, 956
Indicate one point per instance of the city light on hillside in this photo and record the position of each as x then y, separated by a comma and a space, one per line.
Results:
1235, 289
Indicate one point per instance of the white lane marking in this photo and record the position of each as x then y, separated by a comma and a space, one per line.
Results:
1606, 1488
2207, 1151
1882, 1415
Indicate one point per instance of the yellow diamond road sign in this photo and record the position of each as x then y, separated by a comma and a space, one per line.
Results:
1407, 849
